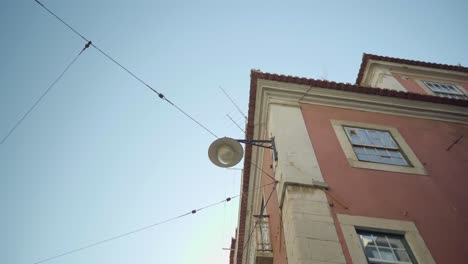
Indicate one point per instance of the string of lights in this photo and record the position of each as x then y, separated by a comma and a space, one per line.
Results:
194, 211
44, 93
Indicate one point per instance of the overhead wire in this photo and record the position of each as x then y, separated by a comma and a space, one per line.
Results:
160, 95
44, 93
194, 211
65, 23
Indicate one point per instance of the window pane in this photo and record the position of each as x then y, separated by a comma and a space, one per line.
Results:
372, 252
381, 241
388, 141
360, 150
363, 157
365, 138
372, 151
353, 135
367, 240
395, 154
383, 153
402, 255
375, 138
395, 242
374, 158
356, 139
387, 254
395, 161
401, 162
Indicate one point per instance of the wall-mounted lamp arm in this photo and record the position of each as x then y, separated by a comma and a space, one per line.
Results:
262, 143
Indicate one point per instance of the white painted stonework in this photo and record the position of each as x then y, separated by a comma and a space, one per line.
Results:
296, 158
309, 230
381, 77
310, 234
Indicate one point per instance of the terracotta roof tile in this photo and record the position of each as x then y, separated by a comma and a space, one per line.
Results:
366, 57
353, 88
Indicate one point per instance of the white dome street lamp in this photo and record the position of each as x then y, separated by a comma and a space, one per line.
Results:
227, 152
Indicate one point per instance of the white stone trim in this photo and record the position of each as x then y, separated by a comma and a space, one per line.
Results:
289, 93
416, 165
408, 229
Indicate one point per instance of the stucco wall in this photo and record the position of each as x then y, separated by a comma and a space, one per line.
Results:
409, 84
436, 203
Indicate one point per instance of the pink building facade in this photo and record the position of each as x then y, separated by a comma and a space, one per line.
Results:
368, 173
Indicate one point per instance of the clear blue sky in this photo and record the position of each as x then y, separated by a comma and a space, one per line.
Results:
101, 155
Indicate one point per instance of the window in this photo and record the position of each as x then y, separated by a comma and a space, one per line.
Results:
382, 248
383, 241
445, 90
375, 146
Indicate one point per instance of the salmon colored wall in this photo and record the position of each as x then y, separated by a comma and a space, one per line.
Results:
413, 87
410, 85
272, 208
436, 203
465, 86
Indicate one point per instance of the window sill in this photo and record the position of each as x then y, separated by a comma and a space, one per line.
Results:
386, 167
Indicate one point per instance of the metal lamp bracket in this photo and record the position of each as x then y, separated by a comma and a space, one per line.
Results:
269, 144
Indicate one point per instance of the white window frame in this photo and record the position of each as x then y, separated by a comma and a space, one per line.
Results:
408, 229
378, 248
458, 91
415, 167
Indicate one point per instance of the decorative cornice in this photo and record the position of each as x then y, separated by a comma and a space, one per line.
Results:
286, 92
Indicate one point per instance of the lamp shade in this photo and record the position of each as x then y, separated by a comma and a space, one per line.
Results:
225, 152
